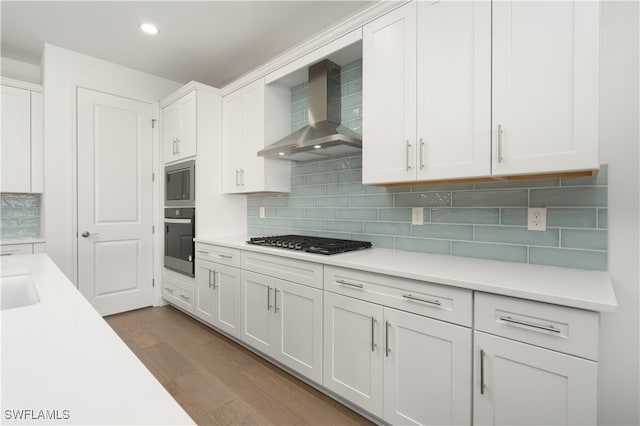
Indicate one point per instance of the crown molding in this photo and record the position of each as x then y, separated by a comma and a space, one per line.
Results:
192, 85
5, 81
305, 47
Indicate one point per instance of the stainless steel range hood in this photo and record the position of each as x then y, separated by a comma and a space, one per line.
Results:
321, 138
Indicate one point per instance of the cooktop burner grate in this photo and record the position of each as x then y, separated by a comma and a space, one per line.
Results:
310, 244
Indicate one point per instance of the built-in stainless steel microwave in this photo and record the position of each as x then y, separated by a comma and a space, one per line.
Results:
179, 185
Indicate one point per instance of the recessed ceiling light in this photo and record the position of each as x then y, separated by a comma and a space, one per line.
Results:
281, 153
317, 146
149, 28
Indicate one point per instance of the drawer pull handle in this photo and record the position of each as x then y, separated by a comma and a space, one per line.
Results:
343, 282
170, 290
419, 299
268, 298
481, 371
203, 252
183, 297
387, 349
225, 256
275, 301
510, 320
7, 254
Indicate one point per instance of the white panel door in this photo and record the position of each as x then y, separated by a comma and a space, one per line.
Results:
16, 140
298, 310
253, 138
204, 297
454, 89
257, 311
427, 371
389, 97
517, 384
227, 299
545, 86
115, 251
353, 359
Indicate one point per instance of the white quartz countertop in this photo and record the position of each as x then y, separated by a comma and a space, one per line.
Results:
591, 290
61, 359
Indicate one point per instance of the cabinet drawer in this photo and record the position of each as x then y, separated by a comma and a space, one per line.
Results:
299, 271
218, 254
568, 330
178, 292
11, 249
423, 298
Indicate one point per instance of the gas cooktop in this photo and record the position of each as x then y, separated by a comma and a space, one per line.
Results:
310, 244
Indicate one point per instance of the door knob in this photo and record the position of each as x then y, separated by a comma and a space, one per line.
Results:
85, 234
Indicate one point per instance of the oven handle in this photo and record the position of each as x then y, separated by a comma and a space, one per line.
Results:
177, 220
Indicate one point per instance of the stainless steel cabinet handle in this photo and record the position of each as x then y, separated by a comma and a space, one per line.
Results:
481, 371
408, 148
275, 300
387, 349
343, 282
210, 280
500, 158
268, 298
510, 320
214, 280
237, 180
6, 254
203, 252
373, 340
419, 299
173, 146
225, 256
177, 145
183, 297
421, 154
241, 177
170, 290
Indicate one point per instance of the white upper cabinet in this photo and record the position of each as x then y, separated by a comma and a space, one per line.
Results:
448, 96
389, 97
22, 140
243, 135
179, 128
545, 86
426, 88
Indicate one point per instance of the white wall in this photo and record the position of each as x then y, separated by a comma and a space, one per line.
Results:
63, 71
619, 374
20, 71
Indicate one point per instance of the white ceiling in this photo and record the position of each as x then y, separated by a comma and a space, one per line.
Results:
213, 42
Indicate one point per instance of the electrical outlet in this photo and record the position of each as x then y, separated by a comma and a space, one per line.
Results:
537, 219
417, 216
262, 215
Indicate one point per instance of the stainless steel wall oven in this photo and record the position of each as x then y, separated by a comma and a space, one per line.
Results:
179, 232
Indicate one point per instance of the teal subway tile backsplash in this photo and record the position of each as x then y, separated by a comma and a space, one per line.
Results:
20, 215
482, 220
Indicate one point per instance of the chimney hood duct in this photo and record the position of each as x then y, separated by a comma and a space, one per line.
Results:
321, 138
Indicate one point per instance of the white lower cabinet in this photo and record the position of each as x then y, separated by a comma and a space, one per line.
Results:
283, 320
179, 290
218, 296
401, 367
535, 363
518, 384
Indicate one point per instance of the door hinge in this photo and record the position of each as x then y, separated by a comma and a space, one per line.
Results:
153, 229
153, 282
153, 177
153, 123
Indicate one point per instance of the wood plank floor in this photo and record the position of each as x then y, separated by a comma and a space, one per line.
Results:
217, 381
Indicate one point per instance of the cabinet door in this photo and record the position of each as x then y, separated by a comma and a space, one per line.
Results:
252, 176
353, 359
186, 146
16, 140
299, 321
257, 311
226, 290
545, 86
231, 142
454, 90
37, 143
389, 97
204, 303
516, 383
170, 131
427, 371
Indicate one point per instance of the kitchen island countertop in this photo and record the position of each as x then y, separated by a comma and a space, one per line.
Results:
576, 288
63, 364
